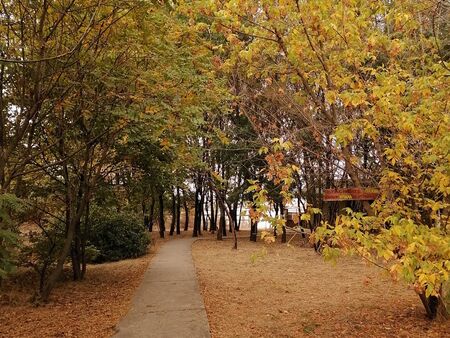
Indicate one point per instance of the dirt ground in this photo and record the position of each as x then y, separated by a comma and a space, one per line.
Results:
280, 291
90, 308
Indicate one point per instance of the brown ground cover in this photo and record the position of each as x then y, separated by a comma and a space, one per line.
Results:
90, 308
292, 292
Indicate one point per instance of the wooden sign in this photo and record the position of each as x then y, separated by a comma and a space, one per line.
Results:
351, 194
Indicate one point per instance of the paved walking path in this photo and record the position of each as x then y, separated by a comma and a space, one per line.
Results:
168, 302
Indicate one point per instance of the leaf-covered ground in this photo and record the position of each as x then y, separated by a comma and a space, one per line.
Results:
90, 308
292, 292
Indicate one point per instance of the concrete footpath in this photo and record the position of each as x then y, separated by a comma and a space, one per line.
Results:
168, 302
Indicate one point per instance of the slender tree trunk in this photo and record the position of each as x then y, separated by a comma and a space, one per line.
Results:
2, 129
186, 214
162, 225
276, 215
72, 216
253, 230
75, 259
178, 211
76, 201
240, 216
222, 225
213, 223
197, 212
50, 283
174, 215
151, 215
230, 219
216, 214
144, 213
223, 220
200, 210
282, 214
234, 213
75, 253
298, 207
86, 235
205, 222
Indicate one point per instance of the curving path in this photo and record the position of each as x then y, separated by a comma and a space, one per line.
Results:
168, 302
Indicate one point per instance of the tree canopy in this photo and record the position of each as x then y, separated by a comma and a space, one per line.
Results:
219, 106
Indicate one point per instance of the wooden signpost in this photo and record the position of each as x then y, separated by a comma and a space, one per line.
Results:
350, 194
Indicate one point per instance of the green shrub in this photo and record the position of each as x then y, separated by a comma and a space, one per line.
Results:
9, 239
92, 253
117, 236
42, 248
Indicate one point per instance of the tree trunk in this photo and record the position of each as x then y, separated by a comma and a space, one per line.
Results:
200, 210
2, 130
144, 213
73, 216
216, 215
75, 253
226, 208
50, 283
162, 225
151, 215
75, 258
234, 213
197, 212
238, 226
86, 235
253, 230
178, 211
213, 220
434, 306
221, 225
205, 222
186, 214
299, 219
283, 235
223, 220
276, 215
174, 215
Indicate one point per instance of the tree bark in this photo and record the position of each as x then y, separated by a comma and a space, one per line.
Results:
238, 225
282, 214
162, 225
253, 230
197, 210
144, 213
151, 215
174, 215
434, 306
213, 220
73, 216
186, 213
178, 211
204, 206
87, 233
276, 215
222, 225
230, 219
